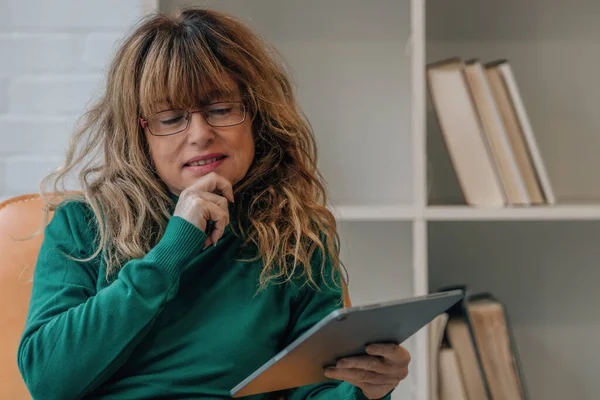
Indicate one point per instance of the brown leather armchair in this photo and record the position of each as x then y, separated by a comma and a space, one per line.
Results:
20, 218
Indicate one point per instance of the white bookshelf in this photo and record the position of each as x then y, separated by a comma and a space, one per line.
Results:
560, 212
541, 213
359, 71
541, 261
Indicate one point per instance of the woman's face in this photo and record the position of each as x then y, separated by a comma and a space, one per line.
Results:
233, 147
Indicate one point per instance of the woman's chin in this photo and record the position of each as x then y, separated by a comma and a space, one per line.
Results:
190, 178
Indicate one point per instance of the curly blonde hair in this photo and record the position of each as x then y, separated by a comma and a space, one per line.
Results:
177, 57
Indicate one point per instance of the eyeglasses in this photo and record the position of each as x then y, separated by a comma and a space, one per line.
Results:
219, 115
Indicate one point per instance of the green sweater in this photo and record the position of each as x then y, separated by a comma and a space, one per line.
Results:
178, 323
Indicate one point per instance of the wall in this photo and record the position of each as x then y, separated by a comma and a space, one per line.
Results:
52, 57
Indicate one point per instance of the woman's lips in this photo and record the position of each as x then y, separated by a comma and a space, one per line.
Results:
205, 167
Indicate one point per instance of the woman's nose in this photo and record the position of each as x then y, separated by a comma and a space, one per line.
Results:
199, 131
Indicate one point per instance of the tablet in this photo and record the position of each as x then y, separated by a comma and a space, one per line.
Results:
344, 332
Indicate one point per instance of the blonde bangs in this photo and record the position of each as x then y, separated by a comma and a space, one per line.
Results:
180, 72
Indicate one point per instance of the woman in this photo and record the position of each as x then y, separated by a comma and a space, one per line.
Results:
200, 244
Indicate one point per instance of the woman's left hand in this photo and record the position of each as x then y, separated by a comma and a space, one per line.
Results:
377, 373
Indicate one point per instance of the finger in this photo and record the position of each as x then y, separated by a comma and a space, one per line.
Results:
214, 198
369, 363
220, 201
213, 212
361, 376
214, 182
402, 374
221, 220
392, 352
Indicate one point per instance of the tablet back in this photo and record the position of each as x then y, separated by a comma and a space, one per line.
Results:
344, 332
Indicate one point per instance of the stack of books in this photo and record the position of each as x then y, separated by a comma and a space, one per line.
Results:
488, 134
473, 354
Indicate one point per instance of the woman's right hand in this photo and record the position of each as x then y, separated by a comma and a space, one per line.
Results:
206, 200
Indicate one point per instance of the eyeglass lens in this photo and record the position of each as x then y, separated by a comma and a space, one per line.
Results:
223, 114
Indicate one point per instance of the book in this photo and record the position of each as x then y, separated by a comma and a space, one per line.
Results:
436, 336
505, 70
504, 100
497, 347
480, 334
459, 336
463, 136
451, 386
495, 132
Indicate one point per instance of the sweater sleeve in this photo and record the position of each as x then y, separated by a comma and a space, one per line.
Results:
311, 306
76, 337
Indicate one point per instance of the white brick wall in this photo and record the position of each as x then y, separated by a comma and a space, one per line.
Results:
52, 58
